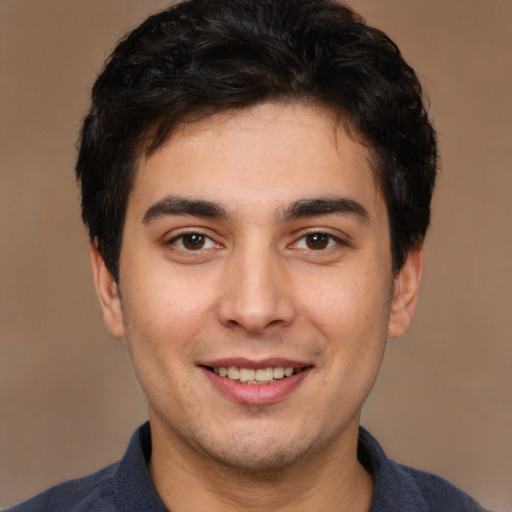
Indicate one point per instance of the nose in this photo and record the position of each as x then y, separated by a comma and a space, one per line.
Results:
257, 294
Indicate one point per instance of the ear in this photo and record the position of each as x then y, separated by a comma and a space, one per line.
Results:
108, 294
405, 292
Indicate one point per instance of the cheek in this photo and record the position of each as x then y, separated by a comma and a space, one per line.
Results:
351, 316
163, 308
350, 305
161, 329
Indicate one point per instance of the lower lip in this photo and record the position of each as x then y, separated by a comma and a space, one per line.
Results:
256, 394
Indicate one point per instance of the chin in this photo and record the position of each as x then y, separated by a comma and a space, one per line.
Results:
259, 461
259, 452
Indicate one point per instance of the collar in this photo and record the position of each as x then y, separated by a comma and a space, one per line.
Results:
133, 488
396, 487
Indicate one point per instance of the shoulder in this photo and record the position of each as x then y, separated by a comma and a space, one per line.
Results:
437, 493
404, 489
125, 485
92, 493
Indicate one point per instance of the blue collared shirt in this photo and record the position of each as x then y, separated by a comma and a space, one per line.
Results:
127, 487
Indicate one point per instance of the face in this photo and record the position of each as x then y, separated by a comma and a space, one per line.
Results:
256, 290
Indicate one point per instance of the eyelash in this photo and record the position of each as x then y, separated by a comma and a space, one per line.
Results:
178, 241
322, 238
331, 241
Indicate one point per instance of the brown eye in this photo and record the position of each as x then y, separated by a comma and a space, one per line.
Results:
193, 241
317, 241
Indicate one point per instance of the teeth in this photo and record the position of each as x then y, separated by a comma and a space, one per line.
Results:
265, 374
251, 376
279, 372
247, 374
233, 372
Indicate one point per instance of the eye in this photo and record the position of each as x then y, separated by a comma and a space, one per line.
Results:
192, 242
317, 241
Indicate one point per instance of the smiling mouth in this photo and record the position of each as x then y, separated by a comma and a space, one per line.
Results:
258, 376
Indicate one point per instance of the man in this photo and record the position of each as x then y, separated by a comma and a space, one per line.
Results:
256, 179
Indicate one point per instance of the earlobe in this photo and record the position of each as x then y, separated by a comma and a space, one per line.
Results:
108, 294
405, 292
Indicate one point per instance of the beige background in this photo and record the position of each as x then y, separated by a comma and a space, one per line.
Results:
68, 398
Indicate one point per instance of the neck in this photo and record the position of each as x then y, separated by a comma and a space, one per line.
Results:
331, 479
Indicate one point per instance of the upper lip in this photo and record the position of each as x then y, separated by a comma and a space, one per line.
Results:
242, 362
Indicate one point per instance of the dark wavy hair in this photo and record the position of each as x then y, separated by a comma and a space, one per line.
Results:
202, 57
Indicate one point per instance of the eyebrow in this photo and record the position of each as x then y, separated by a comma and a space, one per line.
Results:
184, 206
302, 208
326, 206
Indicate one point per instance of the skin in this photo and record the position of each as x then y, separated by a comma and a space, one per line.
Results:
257, 288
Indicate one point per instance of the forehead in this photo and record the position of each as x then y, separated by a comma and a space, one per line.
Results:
268, 154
